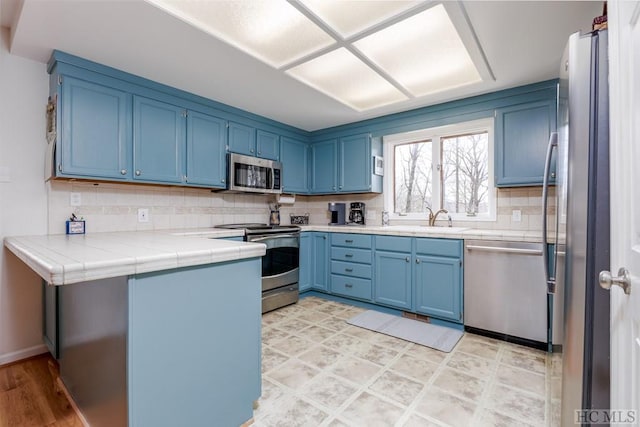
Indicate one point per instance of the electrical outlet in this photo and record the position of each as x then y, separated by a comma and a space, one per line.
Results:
143, 215
516, 215
75, 199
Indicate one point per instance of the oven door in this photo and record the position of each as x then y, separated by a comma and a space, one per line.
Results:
280, 263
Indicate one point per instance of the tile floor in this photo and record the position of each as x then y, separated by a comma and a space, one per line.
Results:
320, 371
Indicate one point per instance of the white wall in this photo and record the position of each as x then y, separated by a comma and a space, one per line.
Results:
23, 199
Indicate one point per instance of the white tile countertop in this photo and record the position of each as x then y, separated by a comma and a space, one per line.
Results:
425, 231
65, 259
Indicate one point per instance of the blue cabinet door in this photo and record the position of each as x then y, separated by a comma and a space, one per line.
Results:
320, 277
306, 261
294, 156
242, 139
267, 145
159, 138
354, 169
206, 150
522, 135
324, 156
438, 287
95, 139
392, 279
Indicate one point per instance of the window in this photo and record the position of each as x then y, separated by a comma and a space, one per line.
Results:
449, 167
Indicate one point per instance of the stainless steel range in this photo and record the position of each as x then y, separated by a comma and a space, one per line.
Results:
280, 265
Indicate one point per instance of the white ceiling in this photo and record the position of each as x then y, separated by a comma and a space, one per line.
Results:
522, 41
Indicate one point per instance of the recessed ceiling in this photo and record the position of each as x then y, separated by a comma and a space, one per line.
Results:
508, 44
377, 54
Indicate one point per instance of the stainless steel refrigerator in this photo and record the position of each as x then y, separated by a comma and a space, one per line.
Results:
580, 306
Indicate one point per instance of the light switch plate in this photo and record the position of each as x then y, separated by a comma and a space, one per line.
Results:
516, 215
143, 215
75, 199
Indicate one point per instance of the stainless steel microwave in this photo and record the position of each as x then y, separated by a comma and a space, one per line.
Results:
253, 174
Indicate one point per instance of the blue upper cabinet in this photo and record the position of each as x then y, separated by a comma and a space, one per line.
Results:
159, 139
354, 164
294, 156
521, 137
267, 145
344, 165
95, 134
242, 139
247, 140
324, 163
206, 150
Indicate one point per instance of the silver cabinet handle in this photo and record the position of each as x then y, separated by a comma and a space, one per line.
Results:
348, 241
348, 285
348, 270
123, 172
251, 150
417, 261
348, 255
623, 280
222, 181
324, 237
138, 173
535, 252
407, 259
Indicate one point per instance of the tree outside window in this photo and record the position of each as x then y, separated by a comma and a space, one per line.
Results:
446, 167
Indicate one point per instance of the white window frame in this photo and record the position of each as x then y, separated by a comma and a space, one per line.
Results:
435, 134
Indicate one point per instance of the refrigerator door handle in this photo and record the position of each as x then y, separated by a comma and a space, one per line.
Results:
553, 144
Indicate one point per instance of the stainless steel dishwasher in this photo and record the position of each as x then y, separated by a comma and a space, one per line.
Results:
504, 289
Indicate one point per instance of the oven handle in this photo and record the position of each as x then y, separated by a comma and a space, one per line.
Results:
278, 240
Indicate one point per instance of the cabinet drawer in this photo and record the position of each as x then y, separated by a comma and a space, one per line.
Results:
351, 269
351, 240
393, 243
442, 247
351, 255
351, 286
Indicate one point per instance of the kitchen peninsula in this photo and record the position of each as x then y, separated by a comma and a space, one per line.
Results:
154, 328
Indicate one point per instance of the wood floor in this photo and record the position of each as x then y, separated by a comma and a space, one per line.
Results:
29, 397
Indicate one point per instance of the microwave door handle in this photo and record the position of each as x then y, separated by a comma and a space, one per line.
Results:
271, 179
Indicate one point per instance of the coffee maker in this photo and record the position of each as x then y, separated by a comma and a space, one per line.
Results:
356, 214
336, 210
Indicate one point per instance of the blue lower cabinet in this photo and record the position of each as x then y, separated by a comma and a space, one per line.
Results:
352, 287
438, 287
177, 318
306, 261
393, 279
320, 272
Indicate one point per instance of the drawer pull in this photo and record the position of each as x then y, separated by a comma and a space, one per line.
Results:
348, 270
348, 285
348, 241
348, 255
407, 259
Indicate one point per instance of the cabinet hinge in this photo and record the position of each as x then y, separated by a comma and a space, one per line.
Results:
227, 125
60, 167
184, 113
59, 80
460, 263
495, 113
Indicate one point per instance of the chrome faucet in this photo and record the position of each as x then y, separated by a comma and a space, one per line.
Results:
432, 216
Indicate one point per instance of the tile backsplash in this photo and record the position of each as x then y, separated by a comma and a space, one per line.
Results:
114, 207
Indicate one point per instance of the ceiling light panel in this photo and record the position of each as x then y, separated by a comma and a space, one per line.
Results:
423, 53
272, 31
349, 17
341, 75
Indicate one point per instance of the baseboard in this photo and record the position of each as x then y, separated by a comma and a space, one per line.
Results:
22, 354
